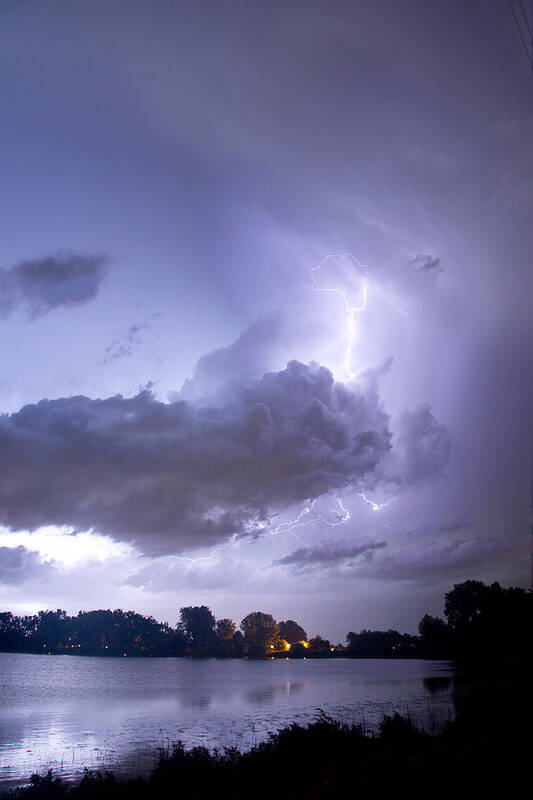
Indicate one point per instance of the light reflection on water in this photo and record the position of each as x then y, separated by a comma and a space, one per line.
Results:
71, 712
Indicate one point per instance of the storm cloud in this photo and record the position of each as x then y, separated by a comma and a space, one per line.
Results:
454, 558
18, 564
43, 284
328, 554
169, 477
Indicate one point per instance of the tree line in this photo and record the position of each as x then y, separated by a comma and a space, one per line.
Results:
477, 619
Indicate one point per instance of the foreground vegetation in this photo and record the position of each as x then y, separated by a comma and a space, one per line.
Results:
478, 619
485, 749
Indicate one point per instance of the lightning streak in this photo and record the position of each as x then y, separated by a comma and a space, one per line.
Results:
376, 506
195, 561
351, 311
309, 515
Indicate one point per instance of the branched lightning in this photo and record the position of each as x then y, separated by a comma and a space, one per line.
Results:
351, 311
309, 514
195, 561
376, 506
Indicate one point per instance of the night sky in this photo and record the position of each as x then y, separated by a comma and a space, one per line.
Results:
265, 305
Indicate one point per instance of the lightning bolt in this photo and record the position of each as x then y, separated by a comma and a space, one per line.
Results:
195, 561
351, 311
309, 516
341, 515
376, 506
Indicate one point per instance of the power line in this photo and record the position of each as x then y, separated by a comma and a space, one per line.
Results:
520, 32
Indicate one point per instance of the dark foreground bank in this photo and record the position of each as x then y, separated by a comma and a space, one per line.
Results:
486, 748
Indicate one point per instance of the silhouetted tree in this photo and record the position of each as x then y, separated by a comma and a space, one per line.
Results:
292, 632
259, 630
319, 645
238, 644
489, 619
436, 637
198, 624
225, 629
298, 650
12, 637
380, 644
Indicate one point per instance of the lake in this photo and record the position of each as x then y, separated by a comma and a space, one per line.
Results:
71, 712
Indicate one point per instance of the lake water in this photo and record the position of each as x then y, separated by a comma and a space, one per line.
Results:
68, 712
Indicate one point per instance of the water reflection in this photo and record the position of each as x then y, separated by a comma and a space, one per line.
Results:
70, 712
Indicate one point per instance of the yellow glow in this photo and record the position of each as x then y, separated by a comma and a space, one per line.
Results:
305, 644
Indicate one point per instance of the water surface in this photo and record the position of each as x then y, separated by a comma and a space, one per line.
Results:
71, 712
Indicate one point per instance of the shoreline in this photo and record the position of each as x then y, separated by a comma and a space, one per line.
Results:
482, 748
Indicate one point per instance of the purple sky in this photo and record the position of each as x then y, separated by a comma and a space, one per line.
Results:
265, 297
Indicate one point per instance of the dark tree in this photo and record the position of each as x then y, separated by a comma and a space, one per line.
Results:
225, 630
467, 601
12, 635
259, 630
436, 636
298, 650
238, 646
198, 624
319, 645
292, 632
381, 644
489, 619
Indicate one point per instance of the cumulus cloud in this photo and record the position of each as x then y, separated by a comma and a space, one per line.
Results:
174, 476
269, 341
421, 448
40, 285
329, 554
18, 564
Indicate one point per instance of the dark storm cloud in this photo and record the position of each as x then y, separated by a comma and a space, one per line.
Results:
328, 554
175, 476
17, 565
40, 285
422, 448
454, 559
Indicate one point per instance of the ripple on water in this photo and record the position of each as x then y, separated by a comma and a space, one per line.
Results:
67, 713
